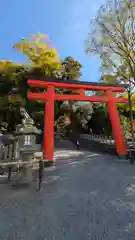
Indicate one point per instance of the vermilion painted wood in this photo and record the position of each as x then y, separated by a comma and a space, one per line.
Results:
37, 96
49, 125
116, 126
44, 97
44, 84
49, 97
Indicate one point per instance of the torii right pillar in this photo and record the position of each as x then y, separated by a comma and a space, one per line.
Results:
116, 126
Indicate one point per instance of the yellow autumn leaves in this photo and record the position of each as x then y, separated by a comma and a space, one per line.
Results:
38, 49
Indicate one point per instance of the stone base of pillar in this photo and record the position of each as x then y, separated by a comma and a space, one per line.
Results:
123, 157
48, 163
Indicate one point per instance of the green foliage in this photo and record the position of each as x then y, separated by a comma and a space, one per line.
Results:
125, 123
10, 71
123, 107
11, 76
100, 123
71, 69
112, 38
43, 60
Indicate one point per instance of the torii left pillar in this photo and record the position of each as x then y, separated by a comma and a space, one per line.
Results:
48, 148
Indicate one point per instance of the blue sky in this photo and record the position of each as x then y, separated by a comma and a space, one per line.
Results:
66, 23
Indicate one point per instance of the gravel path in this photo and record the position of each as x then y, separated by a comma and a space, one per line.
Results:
90, 199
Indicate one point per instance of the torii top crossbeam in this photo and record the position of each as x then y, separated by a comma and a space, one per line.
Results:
91, 86
75, 85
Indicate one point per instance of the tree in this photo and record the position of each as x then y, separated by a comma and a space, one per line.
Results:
71, 69
38, 49
11, 98
43, 60
78, 115
125, 109
112, 38
99, 122
125, 123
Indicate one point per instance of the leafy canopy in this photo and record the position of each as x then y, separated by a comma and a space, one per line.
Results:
112, 38
40, 52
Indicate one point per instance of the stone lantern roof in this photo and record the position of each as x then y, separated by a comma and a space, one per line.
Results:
26, 128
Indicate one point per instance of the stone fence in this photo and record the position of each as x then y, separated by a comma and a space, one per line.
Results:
98, 138
98, 143
94, 143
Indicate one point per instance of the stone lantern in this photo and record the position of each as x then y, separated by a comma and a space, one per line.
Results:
26, 147
27, 132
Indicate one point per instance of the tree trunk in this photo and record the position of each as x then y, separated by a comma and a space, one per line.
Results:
131, 117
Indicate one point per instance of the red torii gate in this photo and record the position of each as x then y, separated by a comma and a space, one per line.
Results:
49, 96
